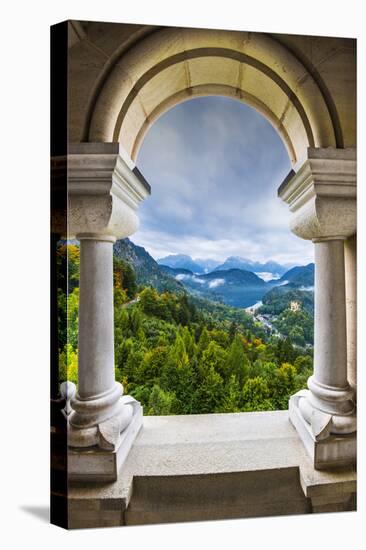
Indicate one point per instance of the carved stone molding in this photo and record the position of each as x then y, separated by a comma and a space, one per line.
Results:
322, 194
104, 191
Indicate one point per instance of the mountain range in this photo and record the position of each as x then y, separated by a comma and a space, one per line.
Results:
233, 286
235, 262
267, 270
148, 272
300, 276
183, 261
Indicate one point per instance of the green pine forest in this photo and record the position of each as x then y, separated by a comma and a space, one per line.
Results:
179, 354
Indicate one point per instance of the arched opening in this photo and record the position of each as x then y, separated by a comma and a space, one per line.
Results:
225, 300
171, 66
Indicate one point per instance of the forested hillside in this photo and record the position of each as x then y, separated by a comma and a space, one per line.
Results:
182, 355
146, 269
297, 324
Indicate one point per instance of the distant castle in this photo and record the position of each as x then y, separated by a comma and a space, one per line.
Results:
295, 306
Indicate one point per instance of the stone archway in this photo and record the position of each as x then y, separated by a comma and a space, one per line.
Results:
119, 85
173, 65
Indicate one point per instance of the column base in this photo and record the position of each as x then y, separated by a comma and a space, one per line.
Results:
99, 465
330, 452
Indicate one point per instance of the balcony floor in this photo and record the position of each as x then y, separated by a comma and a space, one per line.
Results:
217, 466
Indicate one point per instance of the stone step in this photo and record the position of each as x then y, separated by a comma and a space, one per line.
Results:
164, 499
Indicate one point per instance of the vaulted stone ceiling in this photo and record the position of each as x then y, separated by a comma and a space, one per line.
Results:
123, 77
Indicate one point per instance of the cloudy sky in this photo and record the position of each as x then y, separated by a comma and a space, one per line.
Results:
214, 166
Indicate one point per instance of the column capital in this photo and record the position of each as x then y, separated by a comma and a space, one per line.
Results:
95, 237
321, 194
104, 191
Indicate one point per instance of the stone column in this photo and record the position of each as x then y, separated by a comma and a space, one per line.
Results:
96, 342
321, 196
330, 392
104, 192
350, 251
98, 399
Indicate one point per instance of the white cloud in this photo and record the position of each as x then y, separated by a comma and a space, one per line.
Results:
182, 277
198, 280
160, 244
214, 166
266, 276
216, 282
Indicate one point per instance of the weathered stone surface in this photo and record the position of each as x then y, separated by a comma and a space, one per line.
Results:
103, 462
350, 257
185, 468
322, 194
104, 191
122, 79
328, 451
216, 496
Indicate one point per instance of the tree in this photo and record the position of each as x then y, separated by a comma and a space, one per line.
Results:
135, 320
73, 265
237, 362
73, 318
231, 397
68, 262
267, 371
183, 315
122, 321
152, 364
68, 365
124, 277
142, 394
221, 337
209, 394
120, 297
256, 395
304, 368
160, 402
297, 335
62, 318
188, 342
283, 385
298, 325
256, 368
203, 341
178, 377
214, 356
285, 352
131, 368
233, 330
303, 363
149, 301
122, 350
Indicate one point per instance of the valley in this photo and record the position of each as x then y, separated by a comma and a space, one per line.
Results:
178, 352
286, 296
